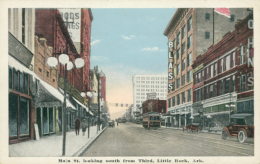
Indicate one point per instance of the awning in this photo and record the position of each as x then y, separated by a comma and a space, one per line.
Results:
46, 88
84, 106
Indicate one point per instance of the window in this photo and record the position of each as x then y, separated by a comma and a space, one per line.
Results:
143, 78
199, 77
173, 85
169, 102
216, 89
178, 83
189, 41
195, 96
142, 82
232, 18
190, 23
207, 92
178, 38
202, 75
10, 71
199, 93
147, 82
241, 54
23, 26
234, 83
173, 101
221, 87
202, 93
196, 78
138, 78
174, 46
227, 83
189, 59
183, 48
207, 16
178, 69
183, 32
47, 73
178, 54
148, 78
211, 90
227, 62
222, 65
189, 76
207, 76
178, 99
189, 95
183, 79
40, 70
234, 59
211, 70
215, 68
207, 35
183, 64
183, 97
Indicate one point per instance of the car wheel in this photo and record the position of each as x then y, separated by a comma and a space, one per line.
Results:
241, 136
224, 135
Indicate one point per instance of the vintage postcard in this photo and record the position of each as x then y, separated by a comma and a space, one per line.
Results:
108, 82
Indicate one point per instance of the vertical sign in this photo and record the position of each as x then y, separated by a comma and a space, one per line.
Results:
170, 65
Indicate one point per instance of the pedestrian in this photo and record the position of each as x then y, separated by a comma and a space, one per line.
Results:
84, 126
77, 125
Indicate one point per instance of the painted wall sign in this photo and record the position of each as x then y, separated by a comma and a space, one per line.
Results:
198, 68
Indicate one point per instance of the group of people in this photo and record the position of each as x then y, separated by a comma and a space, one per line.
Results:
84, 125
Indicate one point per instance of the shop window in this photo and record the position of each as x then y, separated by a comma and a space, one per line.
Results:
13, 115
15, 81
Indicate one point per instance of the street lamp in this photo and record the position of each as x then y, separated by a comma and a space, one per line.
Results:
64, 60
89, 95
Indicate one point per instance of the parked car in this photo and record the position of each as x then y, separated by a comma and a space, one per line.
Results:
111, 123
240, 126
191, 127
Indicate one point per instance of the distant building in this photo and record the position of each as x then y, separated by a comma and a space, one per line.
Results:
148, 83
191, 31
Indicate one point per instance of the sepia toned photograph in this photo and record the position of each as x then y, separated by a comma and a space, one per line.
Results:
130, 85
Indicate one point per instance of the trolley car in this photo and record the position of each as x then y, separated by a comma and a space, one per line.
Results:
152, 119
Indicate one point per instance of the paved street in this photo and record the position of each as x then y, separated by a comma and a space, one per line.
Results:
130, 139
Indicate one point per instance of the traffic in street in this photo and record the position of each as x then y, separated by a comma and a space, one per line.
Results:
129, 139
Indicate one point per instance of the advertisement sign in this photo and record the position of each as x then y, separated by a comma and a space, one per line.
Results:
151, 95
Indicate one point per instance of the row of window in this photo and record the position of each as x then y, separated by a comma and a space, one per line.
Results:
152, 82
151, 78
172, 101
225, 63
232, 17
224, 86
181, 66
151, 86
151, 90
189, 78
18, 81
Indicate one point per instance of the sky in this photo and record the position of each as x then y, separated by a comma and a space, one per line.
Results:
125, 42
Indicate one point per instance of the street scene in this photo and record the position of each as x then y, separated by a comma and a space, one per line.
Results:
130, 82
115, 142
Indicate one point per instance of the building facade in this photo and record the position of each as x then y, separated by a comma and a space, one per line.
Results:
191, 31
21, 23
143, 84
223, 78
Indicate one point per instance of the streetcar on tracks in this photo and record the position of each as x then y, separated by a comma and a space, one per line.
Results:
152, 120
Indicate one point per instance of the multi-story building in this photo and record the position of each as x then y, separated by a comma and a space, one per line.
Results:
148, 83
192, 31
223, 78
21, 23
102, 91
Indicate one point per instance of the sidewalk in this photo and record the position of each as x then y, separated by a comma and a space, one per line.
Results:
51, 146
213, 131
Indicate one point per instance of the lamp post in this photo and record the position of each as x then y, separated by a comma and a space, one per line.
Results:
89, 95
64, 60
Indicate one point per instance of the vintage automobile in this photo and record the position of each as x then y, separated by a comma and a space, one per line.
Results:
111, 123
240, 126
191, 127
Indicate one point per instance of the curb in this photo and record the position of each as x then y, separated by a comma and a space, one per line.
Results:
88, 145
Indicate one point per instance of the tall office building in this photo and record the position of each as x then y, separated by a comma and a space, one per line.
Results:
148, 83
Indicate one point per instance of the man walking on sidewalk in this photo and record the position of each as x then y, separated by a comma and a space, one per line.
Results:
77, 125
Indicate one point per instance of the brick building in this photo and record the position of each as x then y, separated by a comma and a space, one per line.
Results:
191, 32
158, 106
223, 78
